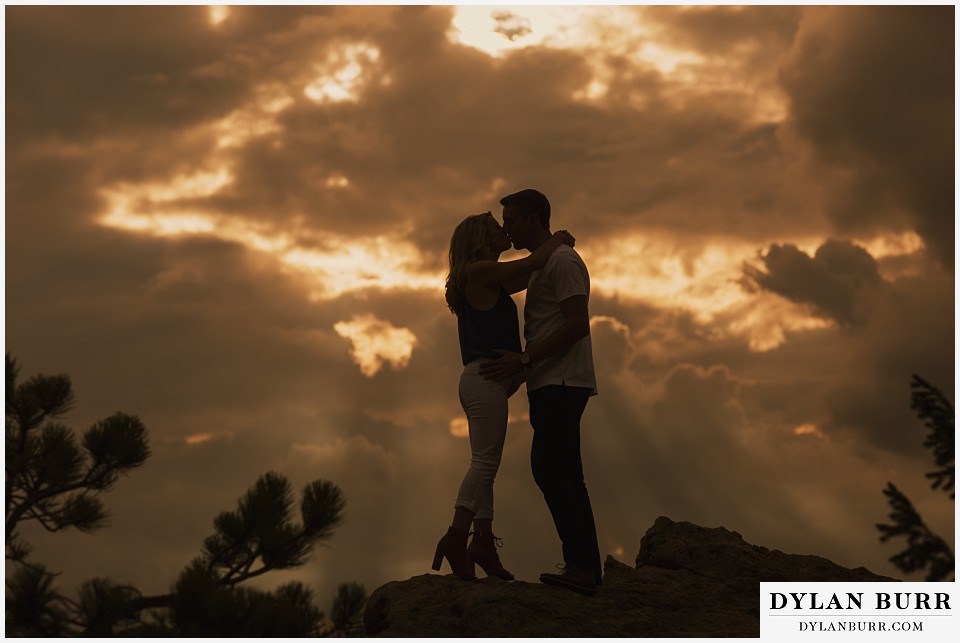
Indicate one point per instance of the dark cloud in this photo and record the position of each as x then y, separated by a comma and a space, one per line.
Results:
716, 30
84, 72
754, 36
912, 331
838, 282
872, 90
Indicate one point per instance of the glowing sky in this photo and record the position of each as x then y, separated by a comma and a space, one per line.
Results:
233, 223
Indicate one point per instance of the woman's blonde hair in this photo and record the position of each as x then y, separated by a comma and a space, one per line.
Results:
467, 244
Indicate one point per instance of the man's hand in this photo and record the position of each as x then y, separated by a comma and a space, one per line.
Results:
515, 383
502, 368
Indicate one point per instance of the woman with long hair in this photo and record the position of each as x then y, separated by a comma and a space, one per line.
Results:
478, 290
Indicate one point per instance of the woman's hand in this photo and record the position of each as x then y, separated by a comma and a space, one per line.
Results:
565, 237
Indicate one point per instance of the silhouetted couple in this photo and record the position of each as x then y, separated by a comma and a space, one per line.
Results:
556, 363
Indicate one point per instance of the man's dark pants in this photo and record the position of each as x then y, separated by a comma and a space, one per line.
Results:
555, 413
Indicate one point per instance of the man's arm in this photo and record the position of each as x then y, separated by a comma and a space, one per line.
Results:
576, 326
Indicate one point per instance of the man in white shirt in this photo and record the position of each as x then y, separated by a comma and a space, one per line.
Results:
560, 379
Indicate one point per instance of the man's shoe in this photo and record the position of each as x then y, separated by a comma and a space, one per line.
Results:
572, 577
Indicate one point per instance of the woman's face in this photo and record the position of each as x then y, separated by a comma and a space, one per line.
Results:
496, 237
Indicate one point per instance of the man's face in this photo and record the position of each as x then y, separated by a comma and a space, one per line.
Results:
498, 240
518, 226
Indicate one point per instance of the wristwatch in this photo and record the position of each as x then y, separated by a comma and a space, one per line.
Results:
525, 358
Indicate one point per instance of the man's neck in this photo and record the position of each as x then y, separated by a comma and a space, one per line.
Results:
540, 238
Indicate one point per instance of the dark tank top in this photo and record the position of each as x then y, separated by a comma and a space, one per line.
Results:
482, 331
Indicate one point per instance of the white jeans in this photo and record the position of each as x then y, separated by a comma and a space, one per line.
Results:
485, 403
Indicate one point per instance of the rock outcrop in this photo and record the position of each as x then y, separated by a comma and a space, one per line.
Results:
689, 581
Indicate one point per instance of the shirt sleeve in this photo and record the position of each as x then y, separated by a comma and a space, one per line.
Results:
570, 276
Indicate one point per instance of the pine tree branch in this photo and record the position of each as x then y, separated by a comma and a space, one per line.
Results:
924, 548
243, 566
37, 568
248, 575
51, 527
935, 408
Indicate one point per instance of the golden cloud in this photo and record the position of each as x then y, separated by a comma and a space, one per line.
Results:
377, 342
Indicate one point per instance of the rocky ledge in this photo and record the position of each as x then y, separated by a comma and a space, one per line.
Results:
689, 581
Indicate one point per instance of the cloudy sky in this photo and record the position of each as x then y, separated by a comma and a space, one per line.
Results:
233, 224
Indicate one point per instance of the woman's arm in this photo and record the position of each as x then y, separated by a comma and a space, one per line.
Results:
517, 284
515, 273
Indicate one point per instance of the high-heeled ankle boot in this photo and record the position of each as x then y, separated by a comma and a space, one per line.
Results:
483, 551
453, 547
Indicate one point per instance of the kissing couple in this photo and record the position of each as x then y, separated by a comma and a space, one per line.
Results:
556, 362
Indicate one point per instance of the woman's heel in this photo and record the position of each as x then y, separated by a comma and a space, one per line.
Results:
453, 547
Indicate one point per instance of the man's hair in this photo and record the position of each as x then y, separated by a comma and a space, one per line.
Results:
530, 201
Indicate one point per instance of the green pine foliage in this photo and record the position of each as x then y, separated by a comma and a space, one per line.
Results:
104, 608
925, 550
55, 480
34, 607
202, 606
346, 614
935, 409
51, 479
260, 534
